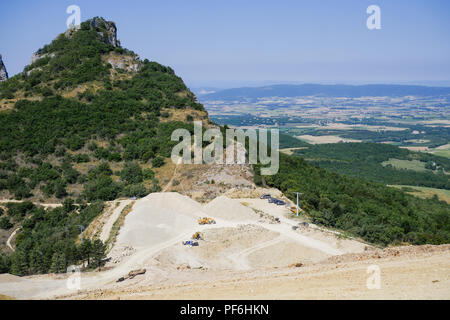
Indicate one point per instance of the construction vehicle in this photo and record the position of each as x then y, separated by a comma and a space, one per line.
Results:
294, 209
206, 220
197, 236
190, 243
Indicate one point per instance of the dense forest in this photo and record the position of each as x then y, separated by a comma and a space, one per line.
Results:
47, 241
364, 160
372, 211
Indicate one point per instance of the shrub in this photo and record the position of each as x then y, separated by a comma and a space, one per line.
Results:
131, 173
158, 162
5, 223
148, 174
137, 190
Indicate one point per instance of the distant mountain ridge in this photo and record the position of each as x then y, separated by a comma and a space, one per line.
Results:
350, 91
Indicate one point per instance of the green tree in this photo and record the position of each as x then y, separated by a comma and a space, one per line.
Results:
148, 174
158, 162
68, 205
136, 190
103, 188
85, 251
5, 223
19, 263
37, 264
98, 253
131, 173
5, 263
58, 263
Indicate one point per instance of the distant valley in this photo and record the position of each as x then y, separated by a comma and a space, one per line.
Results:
390, 134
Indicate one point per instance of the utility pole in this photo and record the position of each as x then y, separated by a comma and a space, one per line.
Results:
297, 193
81, 231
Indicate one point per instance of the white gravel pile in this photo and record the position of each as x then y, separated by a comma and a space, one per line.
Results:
158, 218
229, 209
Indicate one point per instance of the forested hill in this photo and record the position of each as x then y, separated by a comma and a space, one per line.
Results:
86, 121
372, 211
85, 104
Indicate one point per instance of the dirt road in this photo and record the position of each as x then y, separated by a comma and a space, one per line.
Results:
45, 205
413, 274
8, 242
106, 230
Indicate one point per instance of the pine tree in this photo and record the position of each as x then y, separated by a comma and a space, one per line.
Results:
85, 250
5, 263
37, 261
19, 265
58, 262
98, 253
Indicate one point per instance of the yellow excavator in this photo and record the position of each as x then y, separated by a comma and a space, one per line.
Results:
206, 220
294, 209
197, 236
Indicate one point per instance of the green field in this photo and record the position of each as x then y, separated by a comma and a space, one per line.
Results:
424, 192
442, 153
406, 164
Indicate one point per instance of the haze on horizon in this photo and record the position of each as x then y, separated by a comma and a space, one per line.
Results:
234, 43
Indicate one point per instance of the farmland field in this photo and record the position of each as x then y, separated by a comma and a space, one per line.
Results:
424, 192
406, 164
324, 139
443, 151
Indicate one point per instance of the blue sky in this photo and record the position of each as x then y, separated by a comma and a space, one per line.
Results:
226, 43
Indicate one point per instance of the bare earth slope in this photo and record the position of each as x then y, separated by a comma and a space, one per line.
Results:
414, 273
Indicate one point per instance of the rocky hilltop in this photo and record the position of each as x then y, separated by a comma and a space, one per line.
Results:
3, 72
106, 30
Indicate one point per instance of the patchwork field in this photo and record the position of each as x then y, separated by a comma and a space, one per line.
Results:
406, 164
443, 151
290, 151
324, 139
424, 192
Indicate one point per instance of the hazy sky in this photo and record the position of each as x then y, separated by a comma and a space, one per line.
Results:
211, 42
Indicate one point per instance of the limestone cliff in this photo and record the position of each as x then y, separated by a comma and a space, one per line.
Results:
3, 72
106, 29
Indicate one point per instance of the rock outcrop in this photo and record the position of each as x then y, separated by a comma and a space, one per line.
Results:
36, 56
3, 72
128, 62
107, 30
